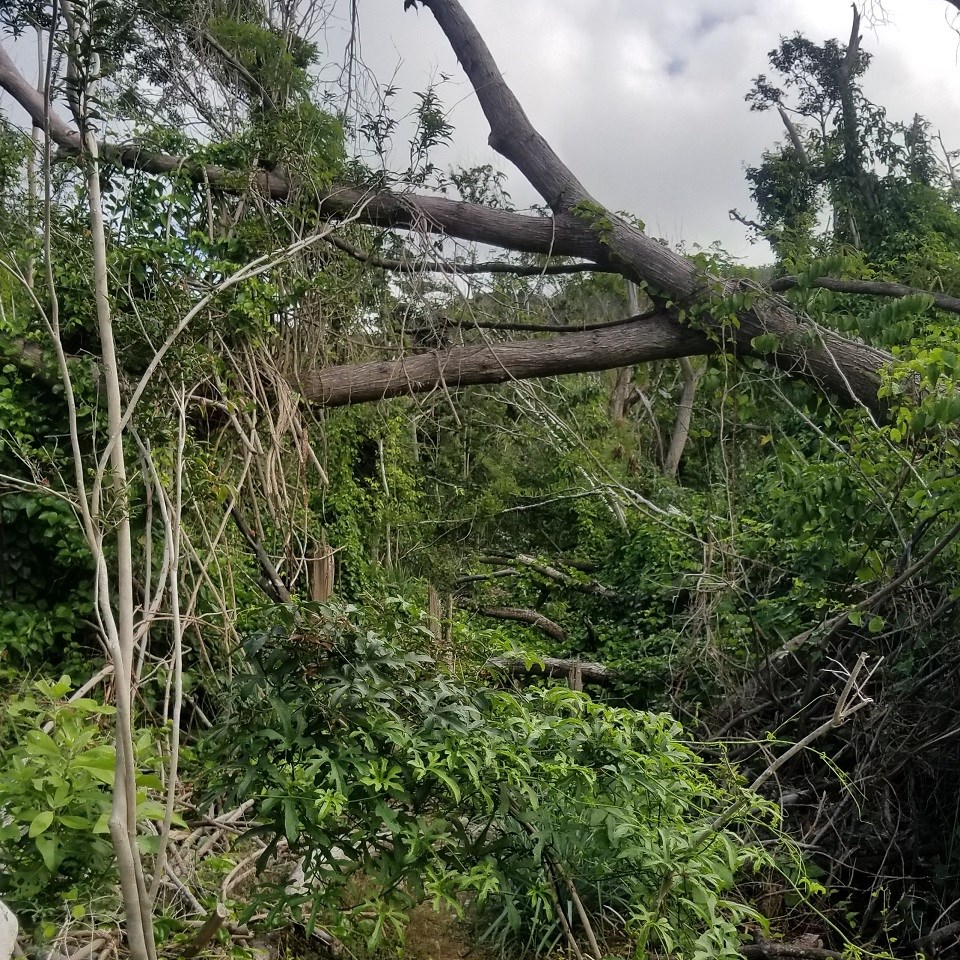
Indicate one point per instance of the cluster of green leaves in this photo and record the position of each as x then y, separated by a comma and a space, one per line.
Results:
57, 765
393, 776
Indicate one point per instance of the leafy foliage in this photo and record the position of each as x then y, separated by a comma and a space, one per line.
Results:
56, 771
392, 768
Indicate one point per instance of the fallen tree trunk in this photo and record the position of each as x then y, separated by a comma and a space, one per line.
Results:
849, 369
553, 667
652, 338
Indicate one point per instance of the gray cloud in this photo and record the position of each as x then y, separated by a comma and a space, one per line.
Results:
643, 99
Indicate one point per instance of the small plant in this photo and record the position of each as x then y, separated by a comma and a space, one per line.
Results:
376, 764
56, 773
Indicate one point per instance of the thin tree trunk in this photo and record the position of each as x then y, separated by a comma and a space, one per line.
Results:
681, 426
120, 627
623, 384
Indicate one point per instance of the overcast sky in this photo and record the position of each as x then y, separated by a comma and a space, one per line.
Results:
643, 99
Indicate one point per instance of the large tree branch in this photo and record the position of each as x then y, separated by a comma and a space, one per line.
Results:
654, 338
847, 368
668, 275
514, 137
871, 288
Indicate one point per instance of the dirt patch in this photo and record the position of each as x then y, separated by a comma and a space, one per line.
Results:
440, 936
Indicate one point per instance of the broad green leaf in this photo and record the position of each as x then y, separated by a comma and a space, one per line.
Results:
40, 823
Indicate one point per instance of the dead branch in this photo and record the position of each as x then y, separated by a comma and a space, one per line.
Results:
654, 338
211, 926
928, 944
552, 573
580, 228
681, 426
553, 667
457, 269
765, 950
277, 589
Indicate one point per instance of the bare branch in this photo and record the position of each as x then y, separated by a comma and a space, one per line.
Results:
794, 135
456, 269
681, 426
871, 288
553, 667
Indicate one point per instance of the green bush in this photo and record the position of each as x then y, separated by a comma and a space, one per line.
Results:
56, 772
388, 772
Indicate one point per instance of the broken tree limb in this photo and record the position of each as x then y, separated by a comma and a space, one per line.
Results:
669, 276
523, 615
681, 426
276, 588
552, 573
655, 338
211, 926
421, 265
794, 135
553, 667
787, 951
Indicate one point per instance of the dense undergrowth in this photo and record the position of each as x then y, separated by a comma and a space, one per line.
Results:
339, 713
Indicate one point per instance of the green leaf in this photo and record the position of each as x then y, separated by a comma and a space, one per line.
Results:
75, 823
49, 849
40, 823
765, 343
150, 810
875, 625
41, 744
291, 822
148, 843
99, 762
